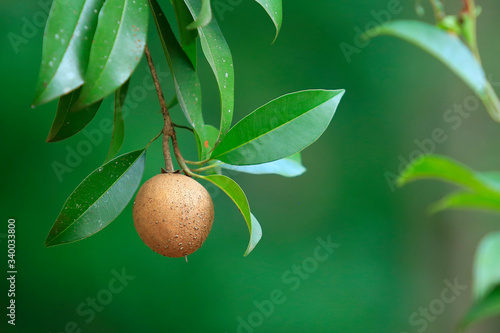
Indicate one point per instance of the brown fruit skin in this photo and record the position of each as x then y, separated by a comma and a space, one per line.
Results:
173, 214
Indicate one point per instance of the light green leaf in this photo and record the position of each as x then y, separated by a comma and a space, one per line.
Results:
489, 306
218, 55
234, 191
187, 36
204, 148
66, 47
68, 122
491, 179
444, 46
280, 128
468, 200
187, 84
99, 199
486, 281
203, 17
446, 169
487, 266
117, 48
288, 167
118, 124
275, 11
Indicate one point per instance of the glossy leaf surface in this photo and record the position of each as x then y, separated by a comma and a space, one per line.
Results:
66, 47
234, 191
118, 123
99, 199
117, 48
280, 128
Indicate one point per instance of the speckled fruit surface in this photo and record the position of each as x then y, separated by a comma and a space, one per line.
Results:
173, 214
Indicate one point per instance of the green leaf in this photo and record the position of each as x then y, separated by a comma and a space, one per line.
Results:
446, 169
491, 179
187, 36
218, 55
204, 148
275, 11
118, 124
489, 306
68, 122
187, 84
280, 128
117, 48
174, 102
288, 167
486, 282
66, 47
203, 17
444, 46
99, 199
487, 266
234, 191
468, 200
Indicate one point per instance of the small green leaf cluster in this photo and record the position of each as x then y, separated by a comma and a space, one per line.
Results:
480, 191
453, 41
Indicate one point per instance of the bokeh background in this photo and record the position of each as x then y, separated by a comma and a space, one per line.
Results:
392, 259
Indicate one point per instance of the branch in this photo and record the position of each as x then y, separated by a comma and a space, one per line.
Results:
168, 129
168, 126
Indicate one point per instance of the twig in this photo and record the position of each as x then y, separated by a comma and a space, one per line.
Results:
208, 167
182, 126
438, 8
469, 10
168, 129
180, 159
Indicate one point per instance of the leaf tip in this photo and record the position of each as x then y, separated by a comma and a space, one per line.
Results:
48, 241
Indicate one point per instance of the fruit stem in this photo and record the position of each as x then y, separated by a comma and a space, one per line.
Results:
208, 167
197, 162
180, 159
168, 129
182, 126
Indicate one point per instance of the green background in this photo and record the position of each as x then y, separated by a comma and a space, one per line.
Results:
392, 257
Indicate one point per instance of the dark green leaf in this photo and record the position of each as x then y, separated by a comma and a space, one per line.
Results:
486, 282
117, 48
203, 17
275, 11
99, 199
66, 47
234, 191
188, 36
118, 124
288, 167
218, 55
187, 84
280, 128
68, 122
174, 102
444, 46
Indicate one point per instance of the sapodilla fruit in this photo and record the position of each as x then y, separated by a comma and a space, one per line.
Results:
173, 214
